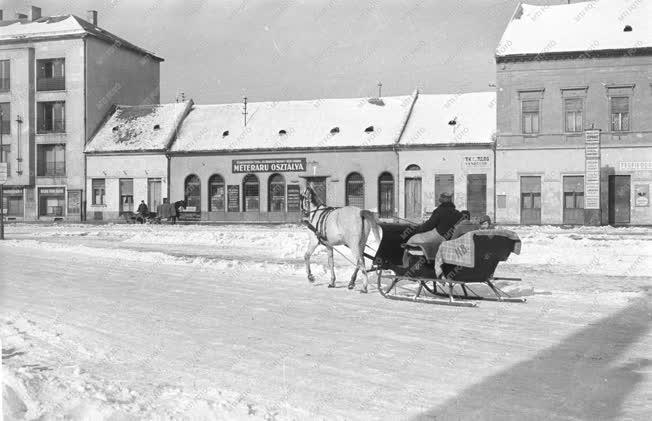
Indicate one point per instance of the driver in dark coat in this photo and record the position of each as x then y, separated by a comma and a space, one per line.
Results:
438, 228
143, 211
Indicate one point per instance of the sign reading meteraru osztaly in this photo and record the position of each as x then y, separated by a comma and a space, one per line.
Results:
269, 165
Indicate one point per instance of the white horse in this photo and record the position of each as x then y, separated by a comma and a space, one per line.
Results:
347, 226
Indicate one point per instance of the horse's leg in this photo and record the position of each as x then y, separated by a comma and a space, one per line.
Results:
364, 274
353, 277
331, 263
312, 245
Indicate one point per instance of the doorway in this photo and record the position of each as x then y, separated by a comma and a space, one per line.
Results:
413, 198
319, 186
476, 194
619, 199
531, 200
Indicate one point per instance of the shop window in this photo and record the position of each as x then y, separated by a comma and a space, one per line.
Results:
192, 193
126, 195
50, 117
251, 193
5, 117
530, 110
4, 153
51, 160
355, 190
12, 202
386, 195
573, 110
52, 201
99, 189
216, 193
276, 194
4, 75
620, 114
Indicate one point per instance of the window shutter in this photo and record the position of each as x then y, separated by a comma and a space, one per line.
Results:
620, 105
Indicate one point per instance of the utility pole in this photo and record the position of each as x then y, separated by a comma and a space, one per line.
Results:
244, 113
2, 182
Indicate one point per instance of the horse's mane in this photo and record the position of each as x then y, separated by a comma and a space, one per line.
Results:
314, 198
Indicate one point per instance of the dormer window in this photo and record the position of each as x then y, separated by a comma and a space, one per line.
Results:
369, 129
282, 132
225, 133
627, 28
452, 122
115, 129
157, 126
335, 130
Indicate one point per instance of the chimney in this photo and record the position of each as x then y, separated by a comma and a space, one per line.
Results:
21, 16
34, 13
92, 17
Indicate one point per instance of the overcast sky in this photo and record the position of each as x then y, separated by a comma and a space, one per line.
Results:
217, 50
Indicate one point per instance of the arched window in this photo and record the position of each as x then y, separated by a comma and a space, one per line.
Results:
355, 190
216, 193
192, 192
251, 193
413, 167
386, 195
276, 195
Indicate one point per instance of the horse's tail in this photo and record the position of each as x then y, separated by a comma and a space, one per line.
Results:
371, 218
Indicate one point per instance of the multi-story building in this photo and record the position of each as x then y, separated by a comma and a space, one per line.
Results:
574, 100
59, 77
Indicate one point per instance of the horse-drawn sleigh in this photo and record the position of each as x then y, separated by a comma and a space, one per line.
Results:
472, 259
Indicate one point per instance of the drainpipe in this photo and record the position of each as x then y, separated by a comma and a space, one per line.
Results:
167, 156
493, 147
82, 216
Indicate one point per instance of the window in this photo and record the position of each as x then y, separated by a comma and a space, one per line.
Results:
413, 167
530, 116
251, 193
51, 75
192, 193
5, 110
573, 111
355, 190
52, 201
386, 195
574, 192
51, 117
4, 153
4, 76
98, 186
620, 114
276, 193
216, 193
51, 160
126, 195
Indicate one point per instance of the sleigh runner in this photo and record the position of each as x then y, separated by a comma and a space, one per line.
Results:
472, 259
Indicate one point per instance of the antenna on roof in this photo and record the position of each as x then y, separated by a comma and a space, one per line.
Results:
380, 87
244, 113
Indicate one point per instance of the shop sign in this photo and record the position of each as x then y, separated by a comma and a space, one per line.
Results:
477, 162
269, 165
233, 198
13, 192
294, 198
592, 170
635, 166
51, 190
642, 192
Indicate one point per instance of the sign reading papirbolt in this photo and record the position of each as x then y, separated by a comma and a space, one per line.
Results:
269, 165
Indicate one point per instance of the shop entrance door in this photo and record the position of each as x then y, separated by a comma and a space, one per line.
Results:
619, 199
153, 193
531, 200
476, 194
413, 198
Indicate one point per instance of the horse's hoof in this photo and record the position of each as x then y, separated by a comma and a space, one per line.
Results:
311, 278
351, 286
363, 291
331, 285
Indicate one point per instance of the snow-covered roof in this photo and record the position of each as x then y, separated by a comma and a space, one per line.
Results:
452, 119
578, 27
322, 123
139, 128
59, 26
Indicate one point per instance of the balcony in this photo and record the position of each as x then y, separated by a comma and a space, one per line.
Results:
51, 84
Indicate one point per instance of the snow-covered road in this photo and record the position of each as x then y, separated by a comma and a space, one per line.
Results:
157, 322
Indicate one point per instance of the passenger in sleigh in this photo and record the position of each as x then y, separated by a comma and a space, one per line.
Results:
439, 228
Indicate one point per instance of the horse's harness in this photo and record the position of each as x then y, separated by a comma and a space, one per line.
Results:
318, 227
